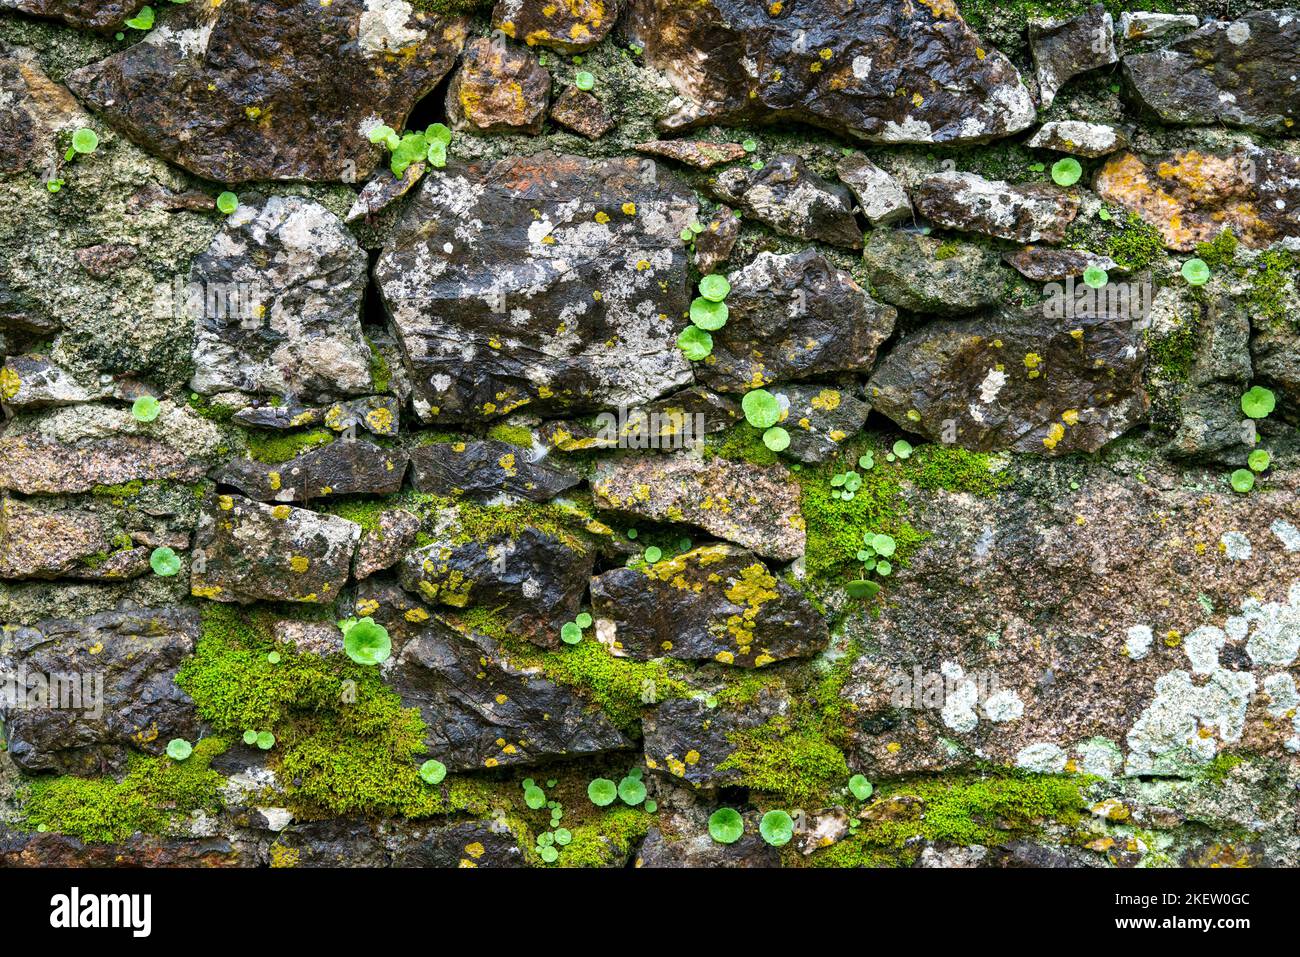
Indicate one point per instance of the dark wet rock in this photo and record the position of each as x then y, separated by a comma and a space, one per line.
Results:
382, 191
486, 470
281, 310
329, 843
1079, 139
1066, 48
1045, 264
1238, 73
969, 203
499, 88
881, 198
679, 421
35, 382
835, 67
753, 506
1190, 196
381, 598
482, 710
554, 282
85, 14
32, 465
700, 154
377, 414
792, 316
31, 849
1028, 382
793, 200
384, 546
1151, 26
198, 93
687, 740
925, 274
467, 844
818, 419
716, 602
532, 580
97, 687
339, 468
571, 27
701, 851
579, 111
246, 551
155, 195
713, 246
34, 111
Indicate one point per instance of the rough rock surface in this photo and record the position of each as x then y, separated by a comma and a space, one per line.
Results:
881, 198
90, 14
498, 89
793, 200
572, 26
581, 112
340, 468
1066, 48
924, 274
485, 471
1079, 138
970, 203
818, 419
1045, 264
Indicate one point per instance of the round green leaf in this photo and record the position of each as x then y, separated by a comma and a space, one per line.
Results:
142, 20
714, 287
653, 554
777, 828
1258, 460
1066, 172
903, 449
1095, 277
1243, 480
602, 792
651, 806
726, 825
178, 749
584, 80
777, 439
85, 140
862, 588
164, 562
273, 657
535, 797
695, 343
583, 620
883, 568
549, 854
570, 633
563, 836
1196, 272
708, 315
367, 643
227, 202
860, 787
250, 737
432, 772
762, 411
749, 146
631, 790
884, 545
145, 408
1258, 402
265, 740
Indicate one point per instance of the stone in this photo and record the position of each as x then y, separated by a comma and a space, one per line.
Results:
1045, 264
329, 843
36, 110
34, 382
969, 203
49, 849
384, 546
33, 465
484, 711
700, 154
579, 111
1077, 138
833, 67
83, 14
196, 90
1027, 382
1190, 196
568, 278
499, 88
1151, 26
333, 470
487, 471
753, 506
881, 198
97, 688
43, 543
713, 603
680, 421
1234, 73
818, 419
246, 551
714, 244
104, 259
377, 414
794, 316
793, 200
570, 27
383, 191
530, 578
929, 275
280, 312
1064, 49
699, 850
466, 844
688, 741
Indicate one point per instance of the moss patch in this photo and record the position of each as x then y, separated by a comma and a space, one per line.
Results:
274, 448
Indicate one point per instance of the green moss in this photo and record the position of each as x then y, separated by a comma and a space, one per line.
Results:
947, 250
513, 434
1171, 356
381, 375
1271, 275
153, 793
215, 412
741, 443
121, 491
274, 447
451, 6
780, 760
620, 687
1217, 771
1220, 251
606, 837
954, 470
1136, 245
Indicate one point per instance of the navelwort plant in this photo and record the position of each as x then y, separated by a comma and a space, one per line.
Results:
1257, 403
410, 147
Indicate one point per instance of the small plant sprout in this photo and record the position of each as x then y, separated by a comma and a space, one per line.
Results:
1259, 460
1258, 402
145, 408
862, 588
227, 203
631, 790
366, 642
432, 772
602, 792
1066, 172
714, 288
860, 787
548, 853
534, 797
691, 231
749, 146
84, 142
708, 315
651, 805
142, 20
777, 439
726, 826
584, 81
563, 836
570, 633
164, 562
1243, 480
845, 485
584, 620
653, 554
777, 827
265, 740
1095, 277
273, 657
1196, 272
761, 409
411, 147
178, 749
695, 343
867, 461
250, 737
903, 449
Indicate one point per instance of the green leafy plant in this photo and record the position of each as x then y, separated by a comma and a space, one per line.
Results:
631, 790
653, 554
1259, 460
265, 740
1196, 272
726, 826
84, 142
902, 449
273, 657
366, 642
860, 787
1258, 402
227, 202
142, 20
430, 146
178, 749
709, 315
432, 772
570, 633
777, 828
695, 343
584, 620
534, 797
1243, 480
164, 562
714, 288
777, 439
602, 792
145, 408
1066, 172
761, 409
584, 81
1095, 277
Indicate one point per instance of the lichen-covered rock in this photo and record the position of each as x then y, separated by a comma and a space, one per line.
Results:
94, 689
34, 382
1030, 382
881, 198
246, 551
701, 154
970, 203
86, 14
1190, 196
198, 93
339, 468
499, 88
571, 26
377, 414
466, 844
925, 274
554, 282
701, 851
1066, 48
793, 200
281, 306
36, 849
1239, 73
45, 543
714, 244
687, 740
818, 419
679, 421
1045, 264
382, 547
581, 112
1079, 138
33, 465
35, 111
486, 471
793, 316
755, 507
716, 602
383, 191
331, 843
484, 711
1140, 25
835, 67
